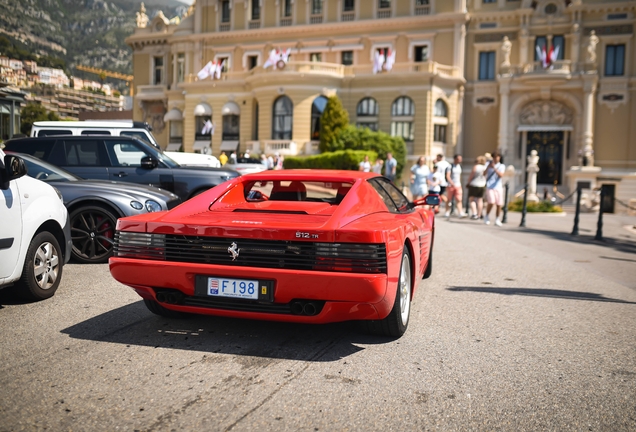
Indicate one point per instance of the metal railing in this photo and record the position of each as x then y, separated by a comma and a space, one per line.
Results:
348, 16
384, 13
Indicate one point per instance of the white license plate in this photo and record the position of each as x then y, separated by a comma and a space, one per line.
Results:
234, 288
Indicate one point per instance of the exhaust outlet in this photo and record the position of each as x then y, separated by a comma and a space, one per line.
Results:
309, 309
161, 297
297, 308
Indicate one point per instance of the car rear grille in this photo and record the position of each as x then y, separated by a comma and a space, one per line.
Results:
292, 255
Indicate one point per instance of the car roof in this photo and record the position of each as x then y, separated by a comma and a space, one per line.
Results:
89, 124
77, 137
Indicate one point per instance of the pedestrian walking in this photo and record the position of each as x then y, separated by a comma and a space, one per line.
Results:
390, 167
477, 187
454, 190
419, 178
441, 165
270, 162
377, 166
233, 157
494, 188
223, 158
365, 165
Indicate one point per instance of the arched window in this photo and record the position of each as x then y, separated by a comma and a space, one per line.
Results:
231, 121
283, 118
402, 112
367, 113
317, 109
440, 121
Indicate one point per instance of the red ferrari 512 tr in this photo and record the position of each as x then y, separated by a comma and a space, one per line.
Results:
310, 246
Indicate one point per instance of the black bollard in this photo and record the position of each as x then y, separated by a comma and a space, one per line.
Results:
524, 210
599, 225
575, 229
504, 219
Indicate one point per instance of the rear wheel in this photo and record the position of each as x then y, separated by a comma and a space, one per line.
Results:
157, 309
93, 234
42, 269
397, 321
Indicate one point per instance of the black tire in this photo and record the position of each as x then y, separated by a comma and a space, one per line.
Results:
93, 234
429, 266
157, 309
42, 271
397, 321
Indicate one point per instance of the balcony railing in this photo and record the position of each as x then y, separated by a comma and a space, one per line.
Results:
422, 10
348, 16
284, 147
305, 67
224, 27
315, 19
285, 21
254, 24
312, 147
559, 67
384, 13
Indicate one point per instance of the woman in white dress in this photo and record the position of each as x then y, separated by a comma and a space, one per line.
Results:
419, 178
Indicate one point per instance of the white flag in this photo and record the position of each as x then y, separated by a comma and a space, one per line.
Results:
390, 59
219, 69
271, 61
205, 72
208, 128
378, 62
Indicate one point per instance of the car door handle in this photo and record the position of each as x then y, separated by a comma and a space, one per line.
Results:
121, 174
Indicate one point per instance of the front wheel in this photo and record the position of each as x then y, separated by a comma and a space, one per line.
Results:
42, 269
397, 321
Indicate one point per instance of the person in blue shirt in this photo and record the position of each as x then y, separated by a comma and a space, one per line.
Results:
390, 167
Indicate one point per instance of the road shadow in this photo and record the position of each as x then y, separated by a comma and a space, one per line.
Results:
133, 324
541, 292
9, 296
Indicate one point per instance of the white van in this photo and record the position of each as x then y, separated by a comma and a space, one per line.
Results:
35, 232
132, 128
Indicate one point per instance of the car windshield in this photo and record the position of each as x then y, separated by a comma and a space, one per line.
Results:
296, 190
46, 172
159, 154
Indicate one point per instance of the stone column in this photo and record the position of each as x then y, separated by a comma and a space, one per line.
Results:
504, 92
174, 70
589, 88
459, 148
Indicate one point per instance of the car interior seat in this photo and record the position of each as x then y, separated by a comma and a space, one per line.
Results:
296, 191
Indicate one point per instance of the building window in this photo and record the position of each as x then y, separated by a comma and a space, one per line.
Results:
615, 60
231, 127
367, 113
440, 121
348, 5
541, 45
176, 131
420, 53
421, 2
558, 44
384, 4
283, 118
256, 9
347, 58
550, 9
158, 72
316, 7
317, 109
487, 65
202, 127
315, 57
225, 11
287, 8
252, 62
402, 112
224, 62
489, 1
180, 67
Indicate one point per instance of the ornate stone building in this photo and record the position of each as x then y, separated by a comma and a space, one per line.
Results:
556, 76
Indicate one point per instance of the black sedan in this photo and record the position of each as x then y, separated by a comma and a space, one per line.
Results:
121, 158
94, 206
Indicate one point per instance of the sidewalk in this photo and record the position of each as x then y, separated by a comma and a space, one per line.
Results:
614, 257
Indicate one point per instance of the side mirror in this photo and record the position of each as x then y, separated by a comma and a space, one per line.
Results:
148, 162
14, 169
430, 200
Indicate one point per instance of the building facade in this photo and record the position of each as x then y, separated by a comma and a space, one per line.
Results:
556, 76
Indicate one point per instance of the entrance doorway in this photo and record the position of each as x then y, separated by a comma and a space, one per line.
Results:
549, 146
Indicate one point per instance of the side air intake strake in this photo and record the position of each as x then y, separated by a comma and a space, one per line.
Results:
293, 255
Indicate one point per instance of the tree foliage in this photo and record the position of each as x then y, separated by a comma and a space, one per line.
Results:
334, 118
340, 160
33, 112
356, 138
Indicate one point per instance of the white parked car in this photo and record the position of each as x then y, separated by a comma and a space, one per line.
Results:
35, 233
135, 129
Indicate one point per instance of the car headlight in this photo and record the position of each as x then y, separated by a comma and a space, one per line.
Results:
59, 194
153, 206
136, 205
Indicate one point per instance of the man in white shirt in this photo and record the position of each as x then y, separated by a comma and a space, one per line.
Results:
441, 166
454, 190
365, 165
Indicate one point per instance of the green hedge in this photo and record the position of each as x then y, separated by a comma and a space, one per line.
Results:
338, 160
535, 207
361, 138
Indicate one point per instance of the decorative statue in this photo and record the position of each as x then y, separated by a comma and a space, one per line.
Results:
142, 18
506, 47
591, 47
532, 170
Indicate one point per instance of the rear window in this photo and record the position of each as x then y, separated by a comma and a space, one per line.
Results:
40, 148
54, 132
296, 190
95, 132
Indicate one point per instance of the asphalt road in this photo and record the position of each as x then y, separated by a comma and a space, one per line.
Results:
516, 330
